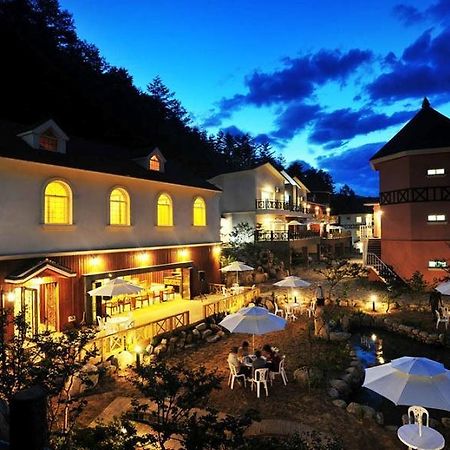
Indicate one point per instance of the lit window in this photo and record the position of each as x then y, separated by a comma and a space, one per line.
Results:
164, 211
155, 163
48, 141
199, 212
58, 203
358, 219
119, 207
437, 218
437, 264
434, 172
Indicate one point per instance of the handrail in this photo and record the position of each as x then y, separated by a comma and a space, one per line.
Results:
383, 270
282, 235
112, 343
230, 303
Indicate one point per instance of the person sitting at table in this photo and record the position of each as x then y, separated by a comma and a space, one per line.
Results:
273, 360
244, 350
233, 360
259, 362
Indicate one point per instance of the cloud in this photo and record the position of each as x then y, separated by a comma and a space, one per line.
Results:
334, 128
294, 118
351, 167
410, 15
295, 81
422, 70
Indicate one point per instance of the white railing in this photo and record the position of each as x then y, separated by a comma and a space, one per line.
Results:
383, 270
365, 232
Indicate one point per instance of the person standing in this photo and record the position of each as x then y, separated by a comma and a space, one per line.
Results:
435, 302
319, 294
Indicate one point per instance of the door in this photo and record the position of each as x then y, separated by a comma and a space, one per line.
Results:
30, 307
50, 306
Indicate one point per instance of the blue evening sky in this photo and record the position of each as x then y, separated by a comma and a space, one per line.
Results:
327, 82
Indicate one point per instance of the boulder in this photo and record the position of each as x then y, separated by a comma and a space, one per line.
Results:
368, 412
196, 334
206, 334
215, 328
159, 349
442, 338
201, 327
221, 333
423, 335
189, 338
379, 418
446, 422
333, 393
355, 409
340, 403
173, 340
212, 339
341, 386
339, 336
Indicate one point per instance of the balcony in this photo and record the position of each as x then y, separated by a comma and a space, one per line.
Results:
279, 205
283, 236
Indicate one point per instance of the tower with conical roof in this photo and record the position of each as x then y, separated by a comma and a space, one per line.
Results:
414, 168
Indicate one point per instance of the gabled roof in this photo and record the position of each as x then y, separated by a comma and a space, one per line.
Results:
42, 127
93, 156
37, 268
427, 130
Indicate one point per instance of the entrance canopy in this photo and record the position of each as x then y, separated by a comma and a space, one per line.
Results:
38, 268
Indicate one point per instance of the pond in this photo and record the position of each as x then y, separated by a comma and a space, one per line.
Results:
375, 347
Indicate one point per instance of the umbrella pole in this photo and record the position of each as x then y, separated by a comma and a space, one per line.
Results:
253, 344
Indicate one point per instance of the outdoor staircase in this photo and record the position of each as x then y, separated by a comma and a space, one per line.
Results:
374, 247
385, 273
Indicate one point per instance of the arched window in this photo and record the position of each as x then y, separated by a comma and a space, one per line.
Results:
58, 203
164, 211
199, 212
155, 164
119, 207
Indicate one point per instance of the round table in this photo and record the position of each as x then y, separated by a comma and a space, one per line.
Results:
429, 440
291, 307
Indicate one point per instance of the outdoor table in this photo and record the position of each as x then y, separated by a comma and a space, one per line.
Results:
429, 440
291, 307
117, 322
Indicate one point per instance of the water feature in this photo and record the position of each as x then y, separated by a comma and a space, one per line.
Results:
375, 347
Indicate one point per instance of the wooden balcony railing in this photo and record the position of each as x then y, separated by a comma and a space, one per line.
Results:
230, 303
113, 343
263, 235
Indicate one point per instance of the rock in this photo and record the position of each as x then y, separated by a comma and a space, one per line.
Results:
341, 386
201, 327
353, 353
163, 341
212, 339
446, 422
303, 376
189, 338
215, 328
333, 393
221, 333
442, 338
379, 418
188, 346
196, 334
433, 337
368, 412
149, 349
340, 403
415, 331
348, 378
339, 336
206, 333
159, 349
173, 340
423, 335
355, 409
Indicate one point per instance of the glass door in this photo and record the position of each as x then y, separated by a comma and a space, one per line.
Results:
30, 307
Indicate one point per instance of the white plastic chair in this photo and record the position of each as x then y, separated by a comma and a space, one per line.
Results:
290, 313
310, 310
234, 375
101, 323
278, 310
418, 412
260, 377
281, 372
441, 319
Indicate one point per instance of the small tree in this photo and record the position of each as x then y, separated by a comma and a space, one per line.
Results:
177, 393
337, 269
50, 360
417, 286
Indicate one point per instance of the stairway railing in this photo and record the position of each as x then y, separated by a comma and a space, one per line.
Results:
383, 270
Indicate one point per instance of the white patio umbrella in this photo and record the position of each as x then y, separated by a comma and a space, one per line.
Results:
294, 222
444, 288
411, 381
292, 282
117, 286
236, 266
253, 320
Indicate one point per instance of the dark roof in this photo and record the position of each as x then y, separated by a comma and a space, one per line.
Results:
428, 129
94, 156
35, 267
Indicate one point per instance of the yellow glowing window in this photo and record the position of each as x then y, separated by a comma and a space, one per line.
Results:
58, 203
164, 211
119, 207
154, 163
199, 212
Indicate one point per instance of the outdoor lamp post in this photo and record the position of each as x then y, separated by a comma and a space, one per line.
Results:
374, 299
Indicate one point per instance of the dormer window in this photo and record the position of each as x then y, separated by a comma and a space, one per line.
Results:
155, 164
48, 141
